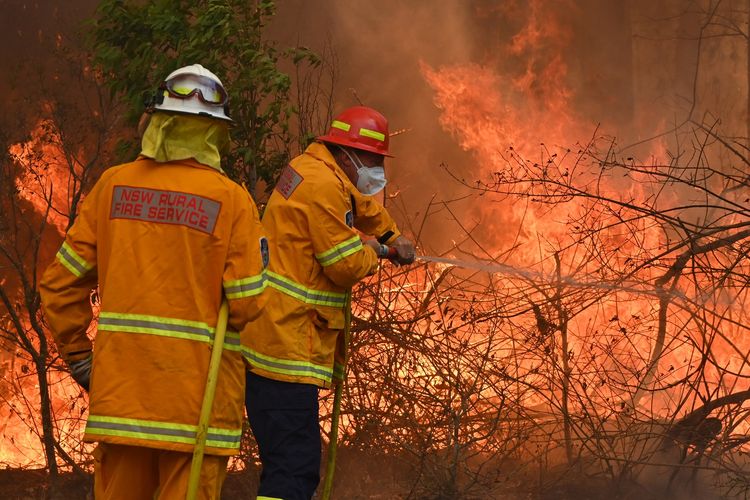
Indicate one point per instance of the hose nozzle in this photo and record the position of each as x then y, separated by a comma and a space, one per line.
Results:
386, 252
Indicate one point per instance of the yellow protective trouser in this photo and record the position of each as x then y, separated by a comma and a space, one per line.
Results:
136, 473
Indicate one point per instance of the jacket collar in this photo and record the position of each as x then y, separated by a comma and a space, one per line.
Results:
190, 162
320, 152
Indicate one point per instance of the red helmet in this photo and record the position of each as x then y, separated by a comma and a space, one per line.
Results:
359, 127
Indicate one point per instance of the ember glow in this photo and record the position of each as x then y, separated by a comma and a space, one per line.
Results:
20, 411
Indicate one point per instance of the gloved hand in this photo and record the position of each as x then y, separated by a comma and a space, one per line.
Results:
405, 252
380, 250
81, 372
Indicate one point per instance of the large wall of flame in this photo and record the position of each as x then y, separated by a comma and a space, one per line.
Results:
470, 78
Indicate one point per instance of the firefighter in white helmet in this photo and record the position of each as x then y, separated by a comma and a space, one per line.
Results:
163, 237
193, 90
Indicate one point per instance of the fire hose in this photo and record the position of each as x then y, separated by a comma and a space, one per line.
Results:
390, 253
208, 401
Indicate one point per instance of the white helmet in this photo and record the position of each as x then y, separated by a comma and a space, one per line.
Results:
193, 90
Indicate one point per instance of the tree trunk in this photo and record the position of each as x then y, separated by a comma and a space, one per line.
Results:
48, 428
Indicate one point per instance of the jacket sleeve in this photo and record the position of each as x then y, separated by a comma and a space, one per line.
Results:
372, 218
65, 287
337, 247
244, 277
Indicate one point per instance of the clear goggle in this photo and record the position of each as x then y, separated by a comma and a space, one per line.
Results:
186, 86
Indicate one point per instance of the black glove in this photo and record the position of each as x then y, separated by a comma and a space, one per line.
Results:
81, 372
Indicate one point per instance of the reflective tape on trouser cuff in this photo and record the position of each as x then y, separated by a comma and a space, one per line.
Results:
340, 251
307, 295
164, 432
287, 366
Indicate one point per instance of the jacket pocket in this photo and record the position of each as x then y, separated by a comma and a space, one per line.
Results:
329, 318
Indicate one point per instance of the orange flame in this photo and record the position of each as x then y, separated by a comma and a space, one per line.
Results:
526, 115
48, 175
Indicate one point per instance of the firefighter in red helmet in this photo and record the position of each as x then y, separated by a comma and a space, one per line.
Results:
321, 201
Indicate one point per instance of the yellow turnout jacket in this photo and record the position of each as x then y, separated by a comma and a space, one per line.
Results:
316, 256
163, 241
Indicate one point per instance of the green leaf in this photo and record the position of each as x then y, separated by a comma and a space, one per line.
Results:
136, 44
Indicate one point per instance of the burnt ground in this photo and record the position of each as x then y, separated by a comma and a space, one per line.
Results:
362, 476
31, 485
16, 484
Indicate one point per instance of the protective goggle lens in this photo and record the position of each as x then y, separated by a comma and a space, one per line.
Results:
186, 86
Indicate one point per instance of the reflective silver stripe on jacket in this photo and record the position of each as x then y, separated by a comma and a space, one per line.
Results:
308, 295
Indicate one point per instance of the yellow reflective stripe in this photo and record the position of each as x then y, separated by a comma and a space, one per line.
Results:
268, 498
371, 133
160, 431
155, 325
340, 251
72, 261
341, 125
70, 267
165, 327
287, 366
245, 287
304, 294
232, 341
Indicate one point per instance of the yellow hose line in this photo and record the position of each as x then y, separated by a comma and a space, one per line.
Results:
333, 436
208, 401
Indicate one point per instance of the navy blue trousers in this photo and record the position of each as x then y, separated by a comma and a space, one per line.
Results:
284, 420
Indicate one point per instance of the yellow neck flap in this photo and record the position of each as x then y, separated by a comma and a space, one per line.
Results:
171, 137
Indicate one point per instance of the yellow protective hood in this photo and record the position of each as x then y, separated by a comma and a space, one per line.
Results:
171, 137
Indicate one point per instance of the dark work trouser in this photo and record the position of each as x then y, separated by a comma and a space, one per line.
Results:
284, 420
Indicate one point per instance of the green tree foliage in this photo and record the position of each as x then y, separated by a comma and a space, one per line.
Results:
136, 44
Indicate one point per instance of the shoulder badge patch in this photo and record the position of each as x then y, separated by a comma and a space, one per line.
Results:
265, 256
288, 182
349, 217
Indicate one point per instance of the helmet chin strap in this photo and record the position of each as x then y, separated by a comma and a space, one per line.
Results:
357, 164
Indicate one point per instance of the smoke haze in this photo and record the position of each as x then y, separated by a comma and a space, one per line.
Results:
526, 72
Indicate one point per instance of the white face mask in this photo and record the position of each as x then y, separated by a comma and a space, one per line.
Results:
371, 180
